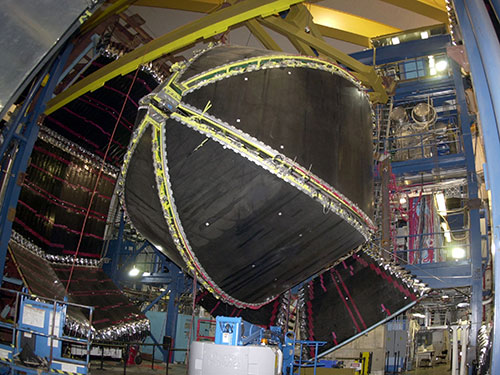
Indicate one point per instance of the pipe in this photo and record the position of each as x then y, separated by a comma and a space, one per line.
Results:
465, 337
454, 355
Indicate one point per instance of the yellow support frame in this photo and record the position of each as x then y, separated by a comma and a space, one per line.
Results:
366, 74
115, 8
184, 36
258, 31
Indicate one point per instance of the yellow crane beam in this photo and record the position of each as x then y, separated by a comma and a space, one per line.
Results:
332, 23
350, 23
184, 36
423, 8
201, 6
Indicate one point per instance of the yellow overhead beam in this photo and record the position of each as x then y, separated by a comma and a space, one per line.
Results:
345, 36
184, 36
300, 17
365, 74
341, 25
202, 6
117, 7
258, 31
350, 23
422, 8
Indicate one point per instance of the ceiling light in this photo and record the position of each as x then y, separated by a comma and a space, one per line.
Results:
402, 200
458, 253
134, 271
432, 71
424, 35
441, 65
441, 203
146, 274
395, 40
418, 315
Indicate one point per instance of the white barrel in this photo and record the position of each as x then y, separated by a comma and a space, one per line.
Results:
207, 358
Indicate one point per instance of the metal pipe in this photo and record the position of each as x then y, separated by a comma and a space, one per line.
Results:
369, 329
463, 360
153, 359
454, 354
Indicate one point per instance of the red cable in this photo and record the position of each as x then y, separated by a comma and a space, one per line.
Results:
99, 178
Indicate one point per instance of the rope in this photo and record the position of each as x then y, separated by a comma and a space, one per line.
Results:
94, 192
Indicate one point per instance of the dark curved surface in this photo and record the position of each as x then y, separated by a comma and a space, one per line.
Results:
266, 316
142, 202
311, 116
254, 234
350, 298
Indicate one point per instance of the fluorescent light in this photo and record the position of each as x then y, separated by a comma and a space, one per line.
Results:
424, 35
446, 230
432, 62
395, 40
441, 65
134, 272
146, 274
458, 253
418, 315
441, 203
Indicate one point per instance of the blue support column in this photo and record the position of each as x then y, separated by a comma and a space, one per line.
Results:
476, 257
26, 141
496, 7
177, 287
488, 113
487, 46
117, 250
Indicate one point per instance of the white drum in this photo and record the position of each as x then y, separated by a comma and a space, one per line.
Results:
207, 358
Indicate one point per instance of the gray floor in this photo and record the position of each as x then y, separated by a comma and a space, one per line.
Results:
110, 367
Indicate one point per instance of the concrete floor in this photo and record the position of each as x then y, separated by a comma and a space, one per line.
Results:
110, 367
435, 370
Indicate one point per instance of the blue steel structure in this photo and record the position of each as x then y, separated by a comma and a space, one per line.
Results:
445, 88
18, 141
164, 273
483, 50
37, 333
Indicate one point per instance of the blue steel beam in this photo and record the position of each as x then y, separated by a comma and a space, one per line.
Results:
489, 121
408, 50
155, 301
25, 147
442, 275
411, 167
496, 7
474, 215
